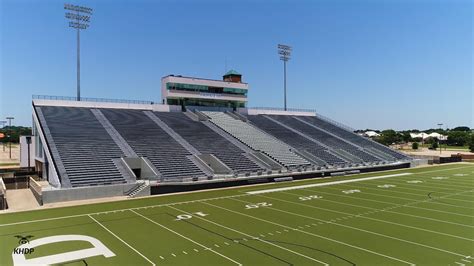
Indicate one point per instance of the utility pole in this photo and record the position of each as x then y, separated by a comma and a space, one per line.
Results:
284, 51
440, 125
10, 118
79, 21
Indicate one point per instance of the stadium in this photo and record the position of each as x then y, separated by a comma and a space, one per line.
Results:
98, 149
308, 190
200, 177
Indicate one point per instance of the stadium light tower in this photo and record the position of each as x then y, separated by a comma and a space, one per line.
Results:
10, 133
284, 51
79, 17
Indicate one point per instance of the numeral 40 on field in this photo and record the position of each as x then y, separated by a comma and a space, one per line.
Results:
312, 197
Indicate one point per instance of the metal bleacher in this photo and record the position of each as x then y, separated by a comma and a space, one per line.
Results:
148, 140
294, 139
83, 146
354, 138
207, 141
93, 146
329, 140
257, 139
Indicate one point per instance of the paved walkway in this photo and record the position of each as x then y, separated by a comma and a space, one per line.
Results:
21, 199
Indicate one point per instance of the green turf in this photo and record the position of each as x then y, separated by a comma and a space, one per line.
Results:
390, 221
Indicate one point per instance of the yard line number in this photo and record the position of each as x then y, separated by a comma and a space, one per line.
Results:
386, 186
351, 191
189, 216
257, 205
312, 197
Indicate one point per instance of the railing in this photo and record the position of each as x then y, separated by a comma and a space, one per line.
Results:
282, 109
3, 188
88, 99
331, 121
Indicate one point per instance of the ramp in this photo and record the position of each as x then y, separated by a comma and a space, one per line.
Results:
21, 199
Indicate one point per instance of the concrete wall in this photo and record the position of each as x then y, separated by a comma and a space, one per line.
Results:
58, 195
418, 162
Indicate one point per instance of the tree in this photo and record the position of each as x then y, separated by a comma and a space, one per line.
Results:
431, 140
16, 132
458, 138
471, 144
462, 128
434, 145
406, 137
388, 137
414, 145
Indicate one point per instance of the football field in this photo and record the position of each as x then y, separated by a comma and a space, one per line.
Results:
422, 216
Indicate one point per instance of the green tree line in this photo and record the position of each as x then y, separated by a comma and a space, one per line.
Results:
16, 132
458, 136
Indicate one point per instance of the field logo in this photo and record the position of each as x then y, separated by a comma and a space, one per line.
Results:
22, 240
25, 244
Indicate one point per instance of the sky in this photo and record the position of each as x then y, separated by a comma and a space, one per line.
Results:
378, 64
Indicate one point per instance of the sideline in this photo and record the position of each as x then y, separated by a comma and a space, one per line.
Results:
324, 184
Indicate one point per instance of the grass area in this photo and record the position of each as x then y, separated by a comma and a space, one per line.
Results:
448, 147
9, 164
410, 216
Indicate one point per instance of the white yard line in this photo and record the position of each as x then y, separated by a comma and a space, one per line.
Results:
355, 228
121, 240
421, 208
186, 202
187, 238
394, 206
375, 219
125, 209
315, 235
324, 184
442, 170
401, 192
253, 237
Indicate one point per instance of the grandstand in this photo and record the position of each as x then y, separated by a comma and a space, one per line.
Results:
95, 148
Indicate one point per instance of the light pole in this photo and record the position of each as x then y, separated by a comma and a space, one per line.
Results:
10, 118
284, 51
80, 21
440, 125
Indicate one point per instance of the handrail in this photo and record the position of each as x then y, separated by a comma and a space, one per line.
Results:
90, 99
3, 188
282, 109
334, 122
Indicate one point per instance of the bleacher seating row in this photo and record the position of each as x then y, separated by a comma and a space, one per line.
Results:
354, 138
207, 141
256, 139
295, 140
170, 140
83, 146
147, 139
329, 140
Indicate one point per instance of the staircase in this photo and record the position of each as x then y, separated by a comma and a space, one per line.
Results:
139, 189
